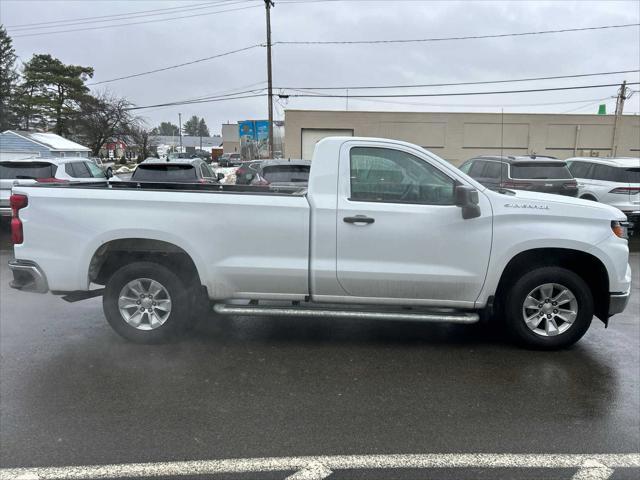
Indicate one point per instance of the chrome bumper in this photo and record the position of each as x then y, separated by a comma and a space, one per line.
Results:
618, 302
28, 277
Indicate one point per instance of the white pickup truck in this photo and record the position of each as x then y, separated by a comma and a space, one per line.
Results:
384, 229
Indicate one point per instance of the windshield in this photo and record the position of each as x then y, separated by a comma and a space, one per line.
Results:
16, 170
286, 173
165, 173
540, 171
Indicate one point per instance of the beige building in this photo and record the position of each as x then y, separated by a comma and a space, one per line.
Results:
460, 136
230, 138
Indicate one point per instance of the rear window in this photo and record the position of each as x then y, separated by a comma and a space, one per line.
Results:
16, 170
286, 173
165, 173
540, 170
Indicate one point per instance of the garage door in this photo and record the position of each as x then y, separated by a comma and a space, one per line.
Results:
311, 136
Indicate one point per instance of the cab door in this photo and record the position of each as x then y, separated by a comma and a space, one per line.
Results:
399, 234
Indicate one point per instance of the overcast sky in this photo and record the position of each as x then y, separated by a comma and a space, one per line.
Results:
164, 40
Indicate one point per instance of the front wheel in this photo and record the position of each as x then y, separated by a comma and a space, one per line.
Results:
549, 308
145, 302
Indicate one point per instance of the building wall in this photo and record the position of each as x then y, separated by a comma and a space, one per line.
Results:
230, 138
12, 143
460, 136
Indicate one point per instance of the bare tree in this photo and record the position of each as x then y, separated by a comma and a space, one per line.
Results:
105, 117
143, 139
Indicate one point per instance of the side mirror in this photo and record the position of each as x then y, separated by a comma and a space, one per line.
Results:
467, 199
220, 176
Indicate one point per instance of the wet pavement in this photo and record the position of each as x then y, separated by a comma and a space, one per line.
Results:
74, 393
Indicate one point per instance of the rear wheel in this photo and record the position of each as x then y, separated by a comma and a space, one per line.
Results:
145, 302
589, 197
549, 308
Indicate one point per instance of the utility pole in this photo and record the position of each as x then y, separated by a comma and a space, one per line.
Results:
268, 4
623, 94
621, 98
180, 129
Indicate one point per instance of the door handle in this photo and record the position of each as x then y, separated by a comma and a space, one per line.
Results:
359, 219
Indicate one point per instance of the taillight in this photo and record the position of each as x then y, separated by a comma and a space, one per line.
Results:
573, 184
516, 185
17, 202
51, 180
626, 190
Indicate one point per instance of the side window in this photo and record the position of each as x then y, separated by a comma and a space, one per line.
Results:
94, 170
465, 167
492, 170
204, 169
580, 169
80, 170
604, 173
68, 169
393, 176
476, 169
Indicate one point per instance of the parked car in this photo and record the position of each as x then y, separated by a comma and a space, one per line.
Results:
614, 181
273, 172
107, 166
177, 170
385, 229
44, 170
229, 160
534, 173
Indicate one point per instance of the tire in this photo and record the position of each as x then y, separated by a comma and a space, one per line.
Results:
162, 320
553, 331
589, 197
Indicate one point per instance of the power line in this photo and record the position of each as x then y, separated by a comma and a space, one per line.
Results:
555, 77
205, 101
457, 94
171, 67
508, 105
442, 39
115, 17
135, 23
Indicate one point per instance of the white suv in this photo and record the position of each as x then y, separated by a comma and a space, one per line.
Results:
614, 181
44, 170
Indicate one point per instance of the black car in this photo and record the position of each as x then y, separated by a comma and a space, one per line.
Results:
274, 172
535, 173
229, 160
177, 170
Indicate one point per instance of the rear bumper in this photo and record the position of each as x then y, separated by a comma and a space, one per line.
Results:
28, 277
618, 302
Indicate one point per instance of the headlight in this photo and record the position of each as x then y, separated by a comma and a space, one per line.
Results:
620, 228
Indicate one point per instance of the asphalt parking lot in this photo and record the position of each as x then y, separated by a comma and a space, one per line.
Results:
74, 393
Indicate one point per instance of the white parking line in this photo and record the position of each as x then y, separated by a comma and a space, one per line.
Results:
590, 467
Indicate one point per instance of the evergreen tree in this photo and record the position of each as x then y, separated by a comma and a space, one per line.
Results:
8, 81
51, 92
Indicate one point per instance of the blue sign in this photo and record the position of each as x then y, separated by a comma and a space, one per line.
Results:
246, 129
262, 130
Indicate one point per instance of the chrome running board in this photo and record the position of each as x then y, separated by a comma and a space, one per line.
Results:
450, 316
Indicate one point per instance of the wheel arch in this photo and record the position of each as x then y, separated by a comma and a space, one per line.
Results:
113, 254
589, 267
